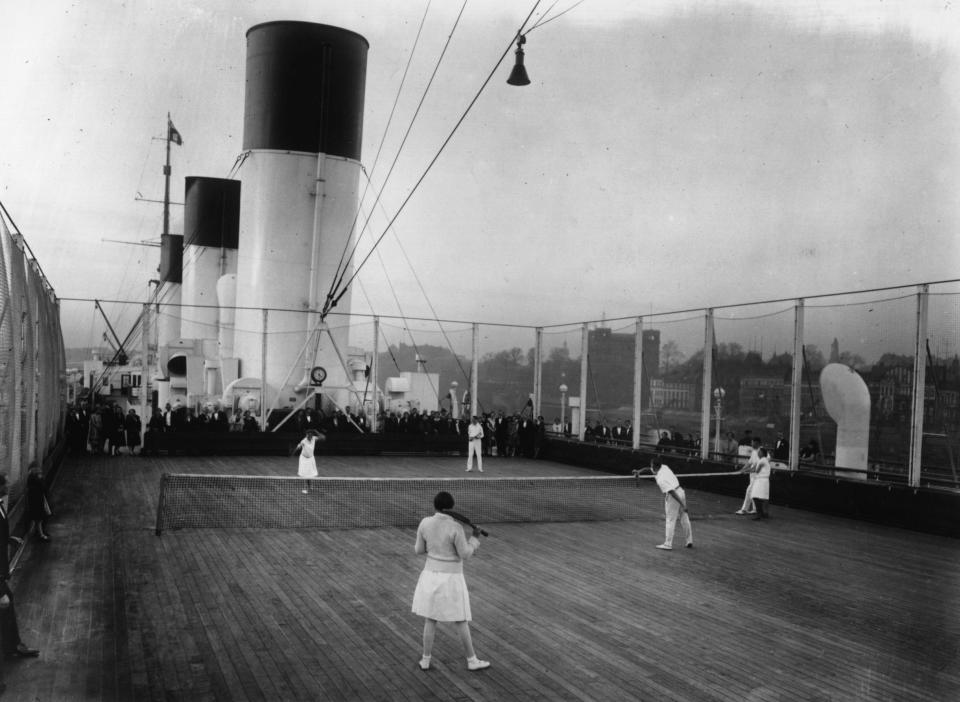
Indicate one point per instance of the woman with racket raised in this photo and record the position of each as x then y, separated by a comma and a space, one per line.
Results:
441, 593
308, 463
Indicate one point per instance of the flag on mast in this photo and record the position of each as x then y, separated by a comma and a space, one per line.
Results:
172, 133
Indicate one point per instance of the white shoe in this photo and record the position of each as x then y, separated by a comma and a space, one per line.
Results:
424, 663
305, 491
469, 470
480, 469
740, 511
664, 547
477, 664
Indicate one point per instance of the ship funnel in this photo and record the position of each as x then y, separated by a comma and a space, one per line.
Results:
302, 128
211, 222
171, 277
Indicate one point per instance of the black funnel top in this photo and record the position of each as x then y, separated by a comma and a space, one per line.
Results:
211, 213
305, 88
171, 258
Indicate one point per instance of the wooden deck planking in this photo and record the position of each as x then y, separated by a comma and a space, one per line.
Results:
802, 607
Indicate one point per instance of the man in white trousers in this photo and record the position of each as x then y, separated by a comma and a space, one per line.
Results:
674, 503
474, 444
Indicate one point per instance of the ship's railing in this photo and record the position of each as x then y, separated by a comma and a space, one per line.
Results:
694, 382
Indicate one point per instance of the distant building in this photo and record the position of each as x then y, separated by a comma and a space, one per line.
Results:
110, 383
668, 395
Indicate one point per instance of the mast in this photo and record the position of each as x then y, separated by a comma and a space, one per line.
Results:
166, 180
171, 275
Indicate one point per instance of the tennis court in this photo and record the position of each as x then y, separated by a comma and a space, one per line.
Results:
803, 607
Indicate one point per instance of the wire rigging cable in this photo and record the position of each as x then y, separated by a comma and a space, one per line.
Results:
383, 139
422, 290
406, 327
345, 264
546, 19
336, 294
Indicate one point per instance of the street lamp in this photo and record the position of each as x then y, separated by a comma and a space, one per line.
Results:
718, 395
563, 405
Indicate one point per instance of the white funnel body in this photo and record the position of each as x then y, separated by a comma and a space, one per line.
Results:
168, 324
227, 299
291, 241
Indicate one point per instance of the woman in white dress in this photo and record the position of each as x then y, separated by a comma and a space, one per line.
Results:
760, 490
308, 463
441, 594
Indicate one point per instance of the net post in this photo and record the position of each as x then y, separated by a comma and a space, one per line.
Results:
163, 483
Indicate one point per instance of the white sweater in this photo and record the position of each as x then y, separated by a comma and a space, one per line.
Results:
442, 538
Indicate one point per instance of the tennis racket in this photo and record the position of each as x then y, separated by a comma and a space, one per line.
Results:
464, 520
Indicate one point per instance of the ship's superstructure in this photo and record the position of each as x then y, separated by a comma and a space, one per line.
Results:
260, 255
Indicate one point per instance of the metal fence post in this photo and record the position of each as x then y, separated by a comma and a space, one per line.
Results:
707, 389
637, 383
796, 385
919, 386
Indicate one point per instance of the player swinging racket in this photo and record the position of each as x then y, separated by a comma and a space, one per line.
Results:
441, 594
674, 503
307, 465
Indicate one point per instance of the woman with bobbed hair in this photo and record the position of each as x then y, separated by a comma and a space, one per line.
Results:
441, 594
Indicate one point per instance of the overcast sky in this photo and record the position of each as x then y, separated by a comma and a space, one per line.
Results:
667, 155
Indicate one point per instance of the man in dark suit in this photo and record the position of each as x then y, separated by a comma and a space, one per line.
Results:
9, 631
219, 422
619, 433
781, 450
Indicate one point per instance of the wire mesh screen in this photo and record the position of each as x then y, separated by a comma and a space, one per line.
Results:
506, 370
7, 358
23, 361
673, 367
941, 399
31, 364
562, 349
611, 359
426, 366
863, 351
273, 502
752, 365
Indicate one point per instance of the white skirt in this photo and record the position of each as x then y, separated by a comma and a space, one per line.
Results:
308, 467
442, 596
761, 489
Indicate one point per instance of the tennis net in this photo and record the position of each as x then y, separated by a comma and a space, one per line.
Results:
190, 501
